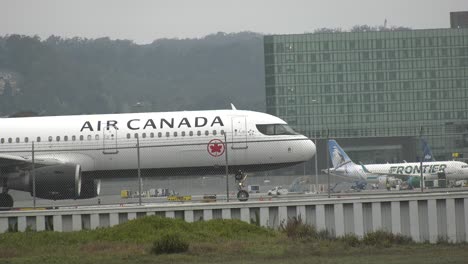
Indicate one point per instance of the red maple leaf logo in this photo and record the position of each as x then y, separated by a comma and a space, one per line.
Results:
216, 147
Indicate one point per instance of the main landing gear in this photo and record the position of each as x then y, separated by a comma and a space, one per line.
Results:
242, 195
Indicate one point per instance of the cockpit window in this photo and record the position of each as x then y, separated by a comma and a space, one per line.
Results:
464, 166
276, 129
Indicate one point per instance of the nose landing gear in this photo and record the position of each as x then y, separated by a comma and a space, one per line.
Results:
242, 195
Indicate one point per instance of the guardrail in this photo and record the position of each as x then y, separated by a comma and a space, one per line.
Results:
423, 217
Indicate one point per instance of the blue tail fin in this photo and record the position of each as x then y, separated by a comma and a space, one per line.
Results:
337, 154
427, 151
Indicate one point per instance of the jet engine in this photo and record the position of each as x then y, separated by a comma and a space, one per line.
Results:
56, 182
382, 180
90, 188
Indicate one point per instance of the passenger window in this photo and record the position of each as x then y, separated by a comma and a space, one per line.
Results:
168, 134
183, 133
159, 134
214, 132
97, 137
10, 140
151, 135
57, 138
81, 138
198, 133
38, 139
2, 140
222, 132
50, 138
191, 133
17, 140
90, 137
65, 138
73, 138
175, 134
143, 135
26, 139
207, 133
135, 135
129, 136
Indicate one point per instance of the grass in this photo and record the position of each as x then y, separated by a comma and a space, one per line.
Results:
219, 241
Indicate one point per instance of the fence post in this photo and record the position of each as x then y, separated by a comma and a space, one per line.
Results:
227, 166
139, 170
328, 161
33, 172
421, 160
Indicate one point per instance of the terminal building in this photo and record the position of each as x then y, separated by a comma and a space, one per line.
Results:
375, 92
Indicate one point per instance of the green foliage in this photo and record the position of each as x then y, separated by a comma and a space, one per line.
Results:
170, 243
442, 240
296, 229
256, 219
385, 239
144, 230
350, 240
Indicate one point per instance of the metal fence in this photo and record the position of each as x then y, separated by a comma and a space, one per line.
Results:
153, 168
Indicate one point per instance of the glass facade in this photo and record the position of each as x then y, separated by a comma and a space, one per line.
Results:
372, 84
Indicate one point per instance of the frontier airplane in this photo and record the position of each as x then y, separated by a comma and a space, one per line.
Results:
71, 153
381, 173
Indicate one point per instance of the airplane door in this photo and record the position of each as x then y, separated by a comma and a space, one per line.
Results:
109, 138
239, 132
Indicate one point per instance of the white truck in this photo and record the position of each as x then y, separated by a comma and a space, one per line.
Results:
278, 190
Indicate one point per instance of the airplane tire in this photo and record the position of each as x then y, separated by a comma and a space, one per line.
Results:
6, 201
243, 195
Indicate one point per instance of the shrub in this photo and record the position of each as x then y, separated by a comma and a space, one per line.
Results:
442, 240
351, 240
382, 238
296, 229
170, 243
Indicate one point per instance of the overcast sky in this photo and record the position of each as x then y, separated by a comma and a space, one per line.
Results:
146, 20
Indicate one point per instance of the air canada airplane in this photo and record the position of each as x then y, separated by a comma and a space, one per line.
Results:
71, 153
381, 173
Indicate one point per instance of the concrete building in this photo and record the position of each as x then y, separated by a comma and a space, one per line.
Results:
373, 91
459, 19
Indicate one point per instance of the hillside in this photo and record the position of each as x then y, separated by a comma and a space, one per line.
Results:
59, 76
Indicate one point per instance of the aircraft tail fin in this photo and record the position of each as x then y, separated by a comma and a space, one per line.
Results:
337, 154
427, 153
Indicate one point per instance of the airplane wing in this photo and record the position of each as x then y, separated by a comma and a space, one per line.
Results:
10, 161
7, 161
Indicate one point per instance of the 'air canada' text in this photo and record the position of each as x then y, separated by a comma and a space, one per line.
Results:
137, 124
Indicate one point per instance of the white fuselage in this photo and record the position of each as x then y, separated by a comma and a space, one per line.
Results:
454, 170
166, 140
